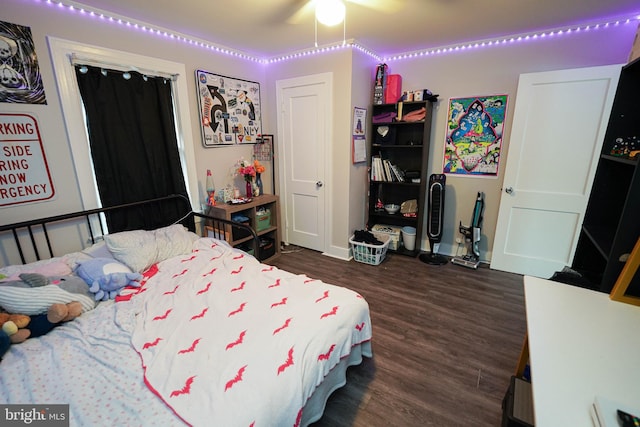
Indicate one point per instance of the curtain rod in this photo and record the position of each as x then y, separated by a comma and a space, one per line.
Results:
78, 60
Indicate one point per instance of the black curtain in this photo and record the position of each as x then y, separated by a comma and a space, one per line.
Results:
133, 144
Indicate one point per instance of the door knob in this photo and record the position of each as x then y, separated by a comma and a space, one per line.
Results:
508, 190
319, 184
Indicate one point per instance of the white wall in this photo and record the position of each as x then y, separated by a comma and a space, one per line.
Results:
466, 73
49, 20
339, 196
495, 70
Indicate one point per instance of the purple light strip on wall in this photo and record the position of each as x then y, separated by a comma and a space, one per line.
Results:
168, 34
511, 39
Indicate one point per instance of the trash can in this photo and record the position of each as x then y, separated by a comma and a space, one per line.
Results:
409, 238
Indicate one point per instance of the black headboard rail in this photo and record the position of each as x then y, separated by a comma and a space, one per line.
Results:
187, 218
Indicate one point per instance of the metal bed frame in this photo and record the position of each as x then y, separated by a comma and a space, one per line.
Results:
218, 227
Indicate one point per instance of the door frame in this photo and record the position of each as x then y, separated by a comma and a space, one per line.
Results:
325, 79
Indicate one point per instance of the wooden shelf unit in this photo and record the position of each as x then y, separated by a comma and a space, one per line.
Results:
408, 149
249, 210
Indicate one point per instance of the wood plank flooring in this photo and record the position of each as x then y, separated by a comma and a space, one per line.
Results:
446, 340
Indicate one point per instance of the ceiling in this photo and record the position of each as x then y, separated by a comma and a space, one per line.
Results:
269, 28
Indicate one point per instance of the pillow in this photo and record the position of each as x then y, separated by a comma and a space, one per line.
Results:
98, 250
54, 267
174, 240
141, 249
23, 298
137, 249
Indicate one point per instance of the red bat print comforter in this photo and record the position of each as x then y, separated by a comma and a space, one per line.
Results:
225, 340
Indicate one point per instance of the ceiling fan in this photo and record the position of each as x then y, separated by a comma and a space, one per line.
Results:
304, 9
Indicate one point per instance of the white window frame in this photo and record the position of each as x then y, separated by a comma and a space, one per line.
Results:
72, 108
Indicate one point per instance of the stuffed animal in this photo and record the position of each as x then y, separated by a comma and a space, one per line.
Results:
13, 326
35, 294
16, 328
106, 277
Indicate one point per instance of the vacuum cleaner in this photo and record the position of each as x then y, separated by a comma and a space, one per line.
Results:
472, 236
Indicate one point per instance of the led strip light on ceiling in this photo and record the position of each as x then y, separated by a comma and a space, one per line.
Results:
132, 24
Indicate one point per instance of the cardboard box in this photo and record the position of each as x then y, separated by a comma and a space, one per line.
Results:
517, 405
388, 230
393, 91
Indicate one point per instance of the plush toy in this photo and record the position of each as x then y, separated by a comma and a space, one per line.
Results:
13, 326
35, 294
16, 328
107, 277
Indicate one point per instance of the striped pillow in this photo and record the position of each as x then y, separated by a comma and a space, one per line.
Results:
32, 301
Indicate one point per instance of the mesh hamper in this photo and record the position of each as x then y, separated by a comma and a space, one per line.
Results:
368, 253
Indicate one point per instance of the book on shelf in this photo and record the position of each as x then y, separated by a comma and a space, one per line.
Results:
385, 171
376, 169
398, 173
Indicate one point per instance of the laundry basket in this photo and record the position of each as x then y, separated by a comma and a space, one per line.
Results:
368, 253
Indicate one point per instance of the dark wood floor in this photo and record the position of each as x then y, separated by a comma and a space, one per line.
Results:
446, 340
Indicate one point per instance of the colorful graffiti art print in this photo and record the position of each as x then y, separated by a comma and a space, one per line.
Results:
474, 135
20, 79
229, 110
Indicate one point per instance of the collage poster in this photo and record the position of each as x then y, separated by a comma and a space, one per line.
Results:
229, 110
475, 127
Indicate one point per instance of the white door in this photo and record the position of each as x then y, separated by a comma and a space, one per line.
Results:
558, 128
303, 130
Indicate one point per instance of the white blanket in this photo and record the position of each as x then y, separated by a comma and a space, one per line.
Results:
225, 340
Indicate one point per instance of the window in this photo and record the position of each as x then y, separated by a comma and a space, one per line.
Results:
62, 51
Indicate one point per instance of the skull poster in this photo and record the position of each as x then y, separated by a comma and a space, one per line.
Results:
20, 79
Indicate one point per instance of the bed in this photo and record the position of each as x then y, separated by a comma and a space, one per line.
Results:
211, 337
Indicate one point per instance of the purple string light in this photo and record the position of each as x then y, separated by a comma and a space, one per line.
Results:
92, 14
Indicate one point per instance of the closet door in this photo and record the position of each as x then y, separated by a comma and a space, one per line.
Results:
559, 124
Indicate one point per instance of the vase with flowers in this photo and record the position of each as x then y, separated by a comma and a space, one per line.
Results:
259, 171
248, 171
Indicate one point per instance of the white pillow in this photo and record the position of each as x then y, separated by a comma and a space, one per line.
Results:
137, 249
174, 240
141, 249
98, 250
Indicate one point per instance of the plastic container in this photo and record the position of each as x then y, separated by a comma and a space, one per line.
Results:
368, 253
409, 238
393, 232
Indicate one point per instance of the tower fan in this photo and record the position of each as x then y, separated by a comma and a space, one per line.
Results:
435, 219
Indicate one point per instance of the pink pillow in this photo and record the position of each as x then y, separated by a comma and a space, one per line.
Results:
57, 268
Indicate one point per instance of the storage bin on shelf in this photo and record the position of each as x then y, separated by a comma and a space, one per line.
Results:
380, 230
267, 248
368, 253
238, 233
263, 219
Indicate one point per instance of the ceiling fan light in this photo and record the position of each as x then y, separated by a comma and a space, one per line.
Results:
330, 12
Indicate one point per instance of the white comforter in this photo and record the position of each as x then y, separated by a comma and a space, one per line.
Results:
223, 340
